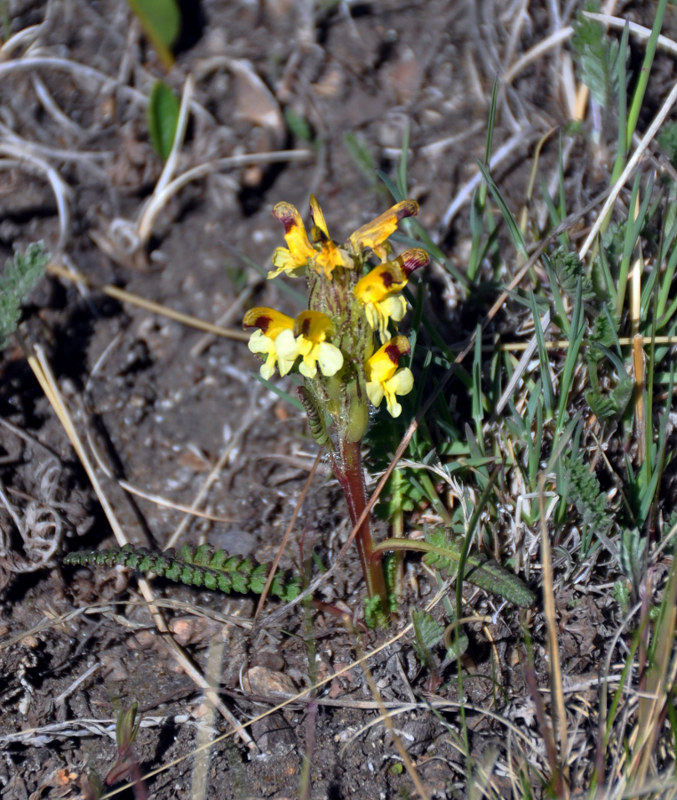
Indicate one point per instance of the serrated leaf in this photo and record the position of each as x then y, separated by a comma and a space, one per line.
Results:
597, 60
374, 615
20, 275
161, 22
162, 116
200, 566
488, 575
428, 633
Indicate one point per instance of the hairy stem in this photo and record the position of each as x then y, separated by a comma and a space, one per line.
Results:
347, 465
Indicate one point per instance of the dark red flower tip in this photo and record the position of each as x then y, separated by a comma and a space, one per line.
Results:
396, 348
407, 208
413, 259
287, 214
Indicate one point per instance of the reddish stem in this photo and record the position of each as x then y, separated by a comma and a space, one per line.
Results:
347, 465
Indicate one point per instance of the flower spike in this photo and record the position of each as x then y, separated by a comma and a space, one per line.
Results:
351, 304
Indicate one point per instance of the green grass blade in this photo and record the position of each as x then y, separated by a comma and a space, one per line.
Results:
644, 75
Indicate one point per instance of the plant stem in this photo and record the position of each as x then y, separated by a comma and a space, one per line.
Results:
347, 465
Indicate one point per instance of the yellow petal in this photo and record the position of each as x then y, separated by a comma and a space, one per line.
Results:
331, 256
375, 393
284, 261
374, 233
317, 215
394, 307
402, 382
380, 282
394, 408
300, 248
313, 326
329, 358
268, 321
262, 345
287, 350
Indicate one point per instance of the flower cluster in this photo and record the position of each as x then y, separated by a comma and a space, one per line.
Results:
343, 344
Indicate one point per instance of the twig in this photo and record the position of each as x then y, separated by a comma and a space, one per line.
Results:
149, 305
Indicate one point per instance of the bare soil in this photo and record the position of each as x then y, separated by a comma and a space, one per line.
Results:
160, 404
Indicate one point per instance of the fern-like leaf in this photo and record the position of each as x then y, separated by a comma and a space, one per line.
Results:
569, 270
19, 277
488, 575
200, 566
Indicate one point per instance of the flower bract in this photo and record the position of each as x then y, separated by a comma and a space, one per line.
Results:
384, 379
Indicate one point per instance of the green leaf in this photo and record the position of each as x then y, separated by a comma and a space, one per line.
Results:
569, 270
202, 566
161, 22
162, 116
428, 633
360, 154
597, 60
374, 615
20, 275
488, 575
667, 139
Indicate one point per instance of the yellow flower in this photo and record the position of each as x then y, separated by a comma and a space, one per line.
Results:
379, 290
320, 252
312, 329
384, 379
374, 233
274, 339
294, 260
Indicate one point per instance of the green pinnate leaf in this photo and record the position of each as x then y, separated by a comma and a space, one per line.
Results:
20, 275
428, 633
193, 567
488, 575
596, 57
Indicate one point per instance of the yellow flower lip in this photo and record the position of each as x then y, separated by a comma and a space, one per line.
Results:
311, 329
274, 339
